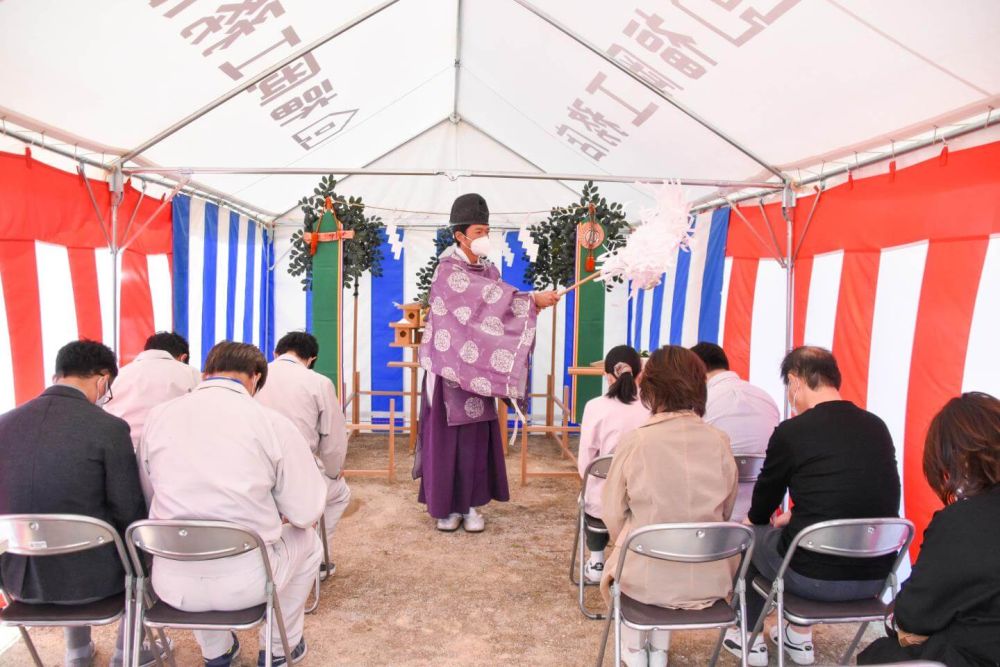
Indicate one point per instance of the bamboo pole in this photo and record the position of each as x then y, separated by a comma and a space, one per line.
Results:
578, 283
392, 440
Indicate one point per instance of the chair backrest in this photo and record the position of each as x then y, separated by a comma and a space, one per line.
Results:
749, 468
599, 467
856, 538
192, 540
40, 535
691, 543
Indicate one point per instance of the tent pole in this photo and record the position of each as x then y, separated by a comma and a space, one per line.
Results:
252, 81
453, 174
117, 187
656, 91
458, 60
788, 213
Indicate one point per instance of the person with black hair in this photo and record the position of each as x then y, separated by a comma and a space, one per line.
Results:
64, 455
310, 401
217, 454
476, 348
835, 461
605, 420
747, 414
158, 374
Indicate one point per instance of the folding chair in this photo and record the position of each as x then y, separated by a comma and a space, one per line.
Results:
41, 535
682, 543
200, 541
850, 538
598, 468
748, 468
320, 576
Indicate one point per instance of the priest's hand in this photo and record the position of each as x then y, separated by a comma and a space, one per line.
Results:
546, 299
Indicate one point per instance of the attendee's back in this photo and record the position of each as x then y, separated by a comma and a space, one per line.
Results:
64, 455
948, 610
674, 469
836, 461
158, 374
214, 453
217, 454
745, 412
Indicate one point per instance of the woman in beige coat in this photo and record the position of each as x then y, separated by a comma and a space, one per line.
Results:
674, 469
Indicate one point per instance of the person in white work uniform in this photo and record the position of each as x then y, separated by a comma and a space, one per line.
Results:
217, 454
310, 401
747, 414
158, 374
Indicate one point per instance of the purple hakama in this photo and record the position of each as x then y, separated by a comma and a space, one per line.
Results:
477, 345
465, 465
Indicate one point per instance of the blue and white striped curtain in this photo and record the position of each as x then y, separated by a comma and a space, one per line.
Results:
223, 288
686, 307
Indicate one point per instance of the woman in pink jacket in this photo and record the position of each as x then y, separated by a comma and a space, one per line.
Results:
605, 420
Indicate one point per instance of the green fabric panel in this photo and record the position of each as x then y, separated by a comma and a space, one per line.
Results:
327, 303
590, 327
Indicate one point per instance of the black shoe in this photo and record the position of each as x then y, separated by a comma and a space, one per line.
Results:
298, 653
226, 659
323, 574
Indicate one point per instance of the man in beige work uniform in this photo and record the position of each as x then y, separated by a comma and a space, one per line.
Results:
216, 454
309, 400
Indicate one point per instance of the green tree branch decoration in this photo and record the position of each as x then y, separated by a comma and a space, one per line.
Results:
555, 265
362, 253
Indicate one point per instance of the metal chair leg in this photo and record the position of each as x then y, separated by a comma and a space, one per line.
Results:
617, 613
170, 652
854, 644
572, 559
718, 647
781, 619
604, 641
321, 529
279, 619
315, 604
31, 646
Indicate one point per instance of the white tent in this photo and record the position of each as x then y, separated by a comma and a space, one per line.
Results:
733, 91
245, 104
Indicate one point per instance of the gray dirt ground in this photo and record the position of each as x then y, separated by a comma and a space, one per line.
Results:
405, 594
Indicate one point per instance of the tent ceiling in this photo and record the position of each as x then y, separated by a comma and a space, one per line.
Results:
797, 81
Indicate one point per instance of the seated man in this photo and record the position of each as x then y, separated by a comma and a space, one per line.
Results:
747, 414
157, 375
310, 401
63, 455
216, 454
836, 461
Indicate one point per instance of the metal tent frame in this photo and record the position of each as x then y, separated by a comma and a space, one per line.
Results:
179, 178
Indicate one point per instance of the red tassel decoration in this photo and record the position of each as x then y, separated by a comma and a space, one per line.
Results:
589, 264
850, 180
892, 171
943, 158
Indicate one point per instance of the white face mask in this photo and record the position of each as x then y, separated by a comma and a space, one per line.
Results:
481, 247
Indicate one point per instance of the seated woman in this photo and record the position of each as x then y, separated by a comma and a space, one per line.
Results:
605, 420
949, 608
674, 469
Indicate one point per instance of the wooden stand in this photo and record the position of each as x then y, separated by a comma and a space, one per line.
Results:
559, 433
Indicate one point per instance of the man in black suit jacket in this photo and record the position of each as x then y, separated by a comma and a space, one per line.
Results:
62, 454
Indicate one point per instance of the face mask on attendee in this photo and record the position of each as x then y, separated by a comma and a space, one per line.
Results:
792, 394
480, 247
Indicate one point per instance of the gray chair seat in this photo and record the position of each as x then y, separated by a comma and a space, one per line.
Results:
162, 614
106, 610
594, 525
831, 612
639, 613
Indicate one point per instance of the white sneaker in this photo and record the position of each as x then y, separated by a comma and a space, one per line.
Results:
473, 522
635, 658
450, 524
592, 572
756, 656
800, 651
657, 658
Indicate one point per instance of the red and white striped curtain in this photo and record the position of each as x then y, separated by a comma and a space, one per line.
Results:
898, 274
56, 272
